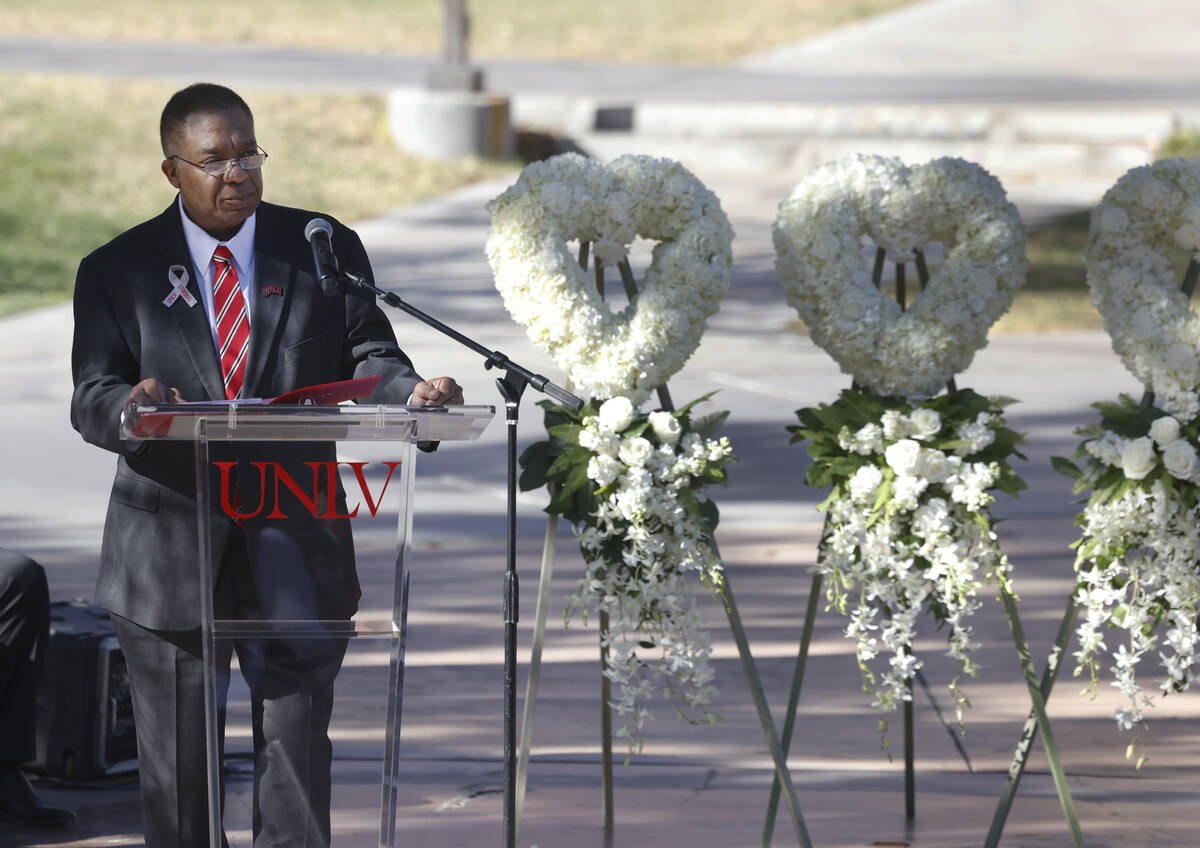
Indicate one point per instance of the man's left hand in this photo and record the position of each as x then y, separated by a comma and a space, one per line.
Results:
440, 391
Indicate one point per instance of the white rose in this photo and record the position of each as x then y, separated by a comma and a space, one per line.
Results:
935, 466
925, 423
1138, 458
903, 457
634, 452
666, 427
1180, 459
615, 414
1164, 430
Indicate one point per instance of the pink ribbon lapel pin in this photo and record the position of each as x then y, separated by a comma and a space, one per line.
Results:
177, 276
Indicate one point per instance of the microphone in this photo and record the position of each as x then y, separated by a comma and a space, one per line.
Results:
318, 232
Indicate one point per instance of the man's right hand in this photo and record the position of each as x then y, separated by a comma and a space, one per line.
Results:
152, 390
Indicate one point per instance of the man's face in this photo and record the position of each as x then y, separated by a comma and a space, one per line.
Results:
218, 205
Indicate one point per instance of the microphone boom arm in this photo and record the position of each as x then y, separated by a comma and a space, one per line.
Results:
492, 358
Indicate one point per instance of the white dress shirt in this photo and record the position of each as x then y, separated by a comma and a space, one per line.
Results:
201, 246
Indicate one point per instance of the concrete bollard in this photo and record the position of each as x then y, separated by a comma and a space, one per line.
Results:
450, 124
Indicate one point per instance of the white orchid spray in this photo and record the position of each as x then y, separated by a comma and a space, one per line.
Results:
1138, 582
633, 485
908, 527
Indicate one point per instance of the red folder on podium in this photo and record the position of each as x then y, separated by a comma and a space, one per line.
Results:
342, 390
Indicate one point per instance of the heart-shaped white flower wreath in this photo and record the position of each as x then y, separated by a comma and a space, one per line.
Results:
1134, 286
818, 242
570, 197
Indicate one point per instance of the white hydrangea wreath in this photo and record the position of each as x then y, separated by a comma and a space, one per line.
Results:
818, 242
570, 197
1134, 286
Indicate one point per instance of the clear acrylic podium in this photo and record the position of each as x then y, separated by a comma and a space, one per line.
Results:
260, 466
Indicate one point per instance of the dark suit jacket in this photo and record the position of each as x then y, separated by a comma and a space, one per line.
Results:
124, 334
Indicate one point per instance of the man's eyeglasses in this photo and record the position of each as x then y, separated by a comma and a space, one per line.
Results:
221, 167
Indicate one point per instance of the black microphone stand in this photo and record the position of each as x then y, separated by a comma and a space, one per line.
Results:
512, 387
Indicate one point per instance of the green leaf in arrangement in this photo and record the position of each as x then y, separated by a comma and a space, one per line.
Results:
810, 420
819, 476
535, 461
560, 503
1010, 483
566, 432
687, 407
1113, 410
689, 501
845, 466
827, 418
710, 514
820, 450
882, 498
1064, 466
710, 424
569, 460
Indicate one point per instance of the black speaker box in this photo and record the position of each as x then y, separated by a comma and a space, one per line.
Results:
85, 713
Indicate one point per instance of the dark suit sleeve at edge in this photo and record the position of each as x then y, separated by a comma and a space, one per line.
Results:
103, 367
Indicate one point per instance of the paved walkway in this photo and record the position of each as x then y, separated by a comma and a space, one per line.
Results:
965, 51
1099, 40
693, 786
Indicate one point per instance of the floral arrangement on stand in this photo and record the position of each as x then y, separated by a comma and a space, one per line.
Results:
1140, 529
633, 486
908, 527
630, 483
911, 474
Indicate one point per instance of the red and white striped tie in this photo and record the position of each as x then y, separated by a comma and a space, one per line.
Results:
233, 324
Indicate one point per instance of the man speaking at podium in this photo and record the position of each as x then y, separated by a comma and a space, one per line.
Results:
214, 299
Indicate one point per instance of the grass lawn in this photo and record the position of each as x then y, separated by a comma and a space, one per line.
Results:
81, 164
1055, 295
670, 31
